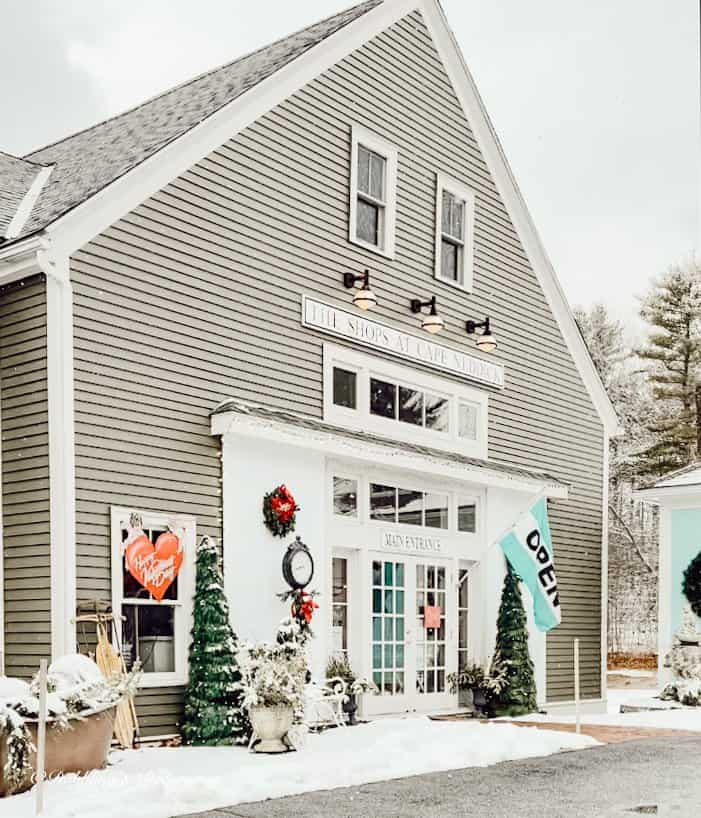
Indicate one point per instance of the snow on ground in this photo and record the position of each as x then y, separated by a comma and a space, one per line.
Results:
672, 717
163, 782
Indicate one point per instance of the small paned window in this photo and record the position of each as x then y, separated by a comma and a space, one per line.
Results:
344, 388
467, 516
345, 496
454, 225
373, 194
452, 236
468, 415
436, 511
383, 503
383, 399
339, 605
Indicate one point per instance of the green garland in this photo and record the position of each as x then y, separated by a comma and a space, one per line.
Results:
691, 584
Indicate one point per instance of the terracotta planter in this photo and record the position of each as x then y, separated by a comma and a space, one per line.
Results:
270, 726
82, 747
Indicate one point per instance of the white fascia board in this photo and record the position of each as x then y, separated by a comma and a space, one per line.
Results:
670, 495
84, 222
338, 445
494, 156
24, 210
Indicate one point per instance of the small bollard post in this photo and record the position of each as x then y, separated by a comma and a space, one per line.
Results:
41, 739
577, 716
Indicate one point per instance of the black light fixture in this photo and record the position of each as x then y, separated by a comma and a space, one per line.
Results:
364, 298
432, 322
486, 342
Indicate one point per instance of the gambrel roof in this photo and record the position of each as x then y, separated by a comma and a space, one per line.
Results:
91, 159
99, 175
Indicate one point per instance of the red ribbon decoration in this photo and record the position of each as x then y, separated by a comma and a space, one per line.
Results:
304, 607
283, 504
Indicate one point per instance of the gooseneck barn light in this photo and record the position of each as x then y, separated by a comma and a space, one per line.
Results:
364, 298
432, 322
486, 342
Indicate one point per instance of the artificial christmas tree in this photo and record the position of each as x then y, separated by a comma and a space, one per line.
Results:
214, 710
518, 695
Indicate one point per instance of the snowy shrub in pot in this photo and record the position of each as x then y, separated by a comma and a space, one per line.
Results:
80, 705
477, 685
273, 679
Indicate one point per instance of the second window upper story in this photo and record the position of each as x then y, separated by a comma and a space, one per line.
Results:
373, 209
370, 394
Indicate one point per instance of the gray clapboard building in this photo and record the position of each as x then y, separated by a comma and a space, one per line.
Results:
177, 339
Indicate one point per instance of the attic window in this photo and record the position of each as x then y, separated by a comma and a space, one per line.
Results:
372, 192
455, 204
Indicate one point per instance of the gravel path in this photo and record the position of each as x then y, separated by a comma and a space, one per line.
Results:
613, 781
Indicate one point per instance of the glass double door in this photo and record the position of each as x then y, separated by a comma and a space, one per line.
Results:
412, 643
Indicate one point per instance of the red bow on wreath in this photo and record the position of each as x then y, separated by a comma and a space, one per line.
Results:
304, 607
283, 504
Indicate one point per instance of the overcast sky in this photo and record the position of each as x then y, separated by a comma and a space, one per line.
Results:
596, 104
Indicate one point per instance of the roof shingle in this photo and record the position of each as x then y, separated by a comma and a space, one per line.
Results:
91, 159
16, 177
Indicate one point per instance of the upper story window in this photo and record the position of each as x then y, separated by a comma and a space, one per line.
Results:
455, 205
372, 192
370, 394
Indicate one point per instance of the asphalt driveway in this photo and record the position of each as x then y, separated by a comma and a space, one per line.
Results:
660, 776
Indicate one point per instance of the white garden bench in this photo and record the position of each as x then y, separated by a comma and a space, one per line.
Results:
323, 703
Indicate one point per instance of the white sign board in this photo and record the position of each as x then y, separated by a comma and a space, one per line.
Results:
357, 328
411, 543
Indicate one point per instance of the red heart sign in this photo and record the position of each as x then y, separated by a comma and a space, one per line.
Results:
154, 566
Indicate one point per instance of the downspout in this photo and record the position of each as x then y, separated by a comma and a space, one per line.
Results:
59, 359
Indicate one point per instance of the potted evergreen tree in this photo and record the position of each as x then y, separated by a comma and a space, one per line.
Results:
214, 709
517, 696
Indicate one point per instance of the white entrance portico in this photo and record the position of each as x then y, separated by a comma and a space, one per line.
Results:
393, 529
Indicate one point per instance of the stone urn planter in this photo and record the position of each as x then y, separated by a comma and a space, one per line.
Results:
79, 748
270, 726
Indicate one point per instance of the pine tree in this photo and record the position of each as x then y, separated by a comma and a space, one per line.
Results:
673, 309
214, 712
519, 693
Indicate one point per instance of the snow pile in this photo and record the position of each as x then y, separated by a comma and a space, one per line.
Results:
163, 782
668, 716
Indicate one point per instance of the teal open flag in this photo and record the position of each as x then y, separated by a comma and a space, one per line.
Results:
528, 548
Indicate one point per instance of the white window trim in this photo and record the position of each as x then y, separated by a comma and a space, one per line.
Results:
186, 586
360, 418
375, 143
460, 191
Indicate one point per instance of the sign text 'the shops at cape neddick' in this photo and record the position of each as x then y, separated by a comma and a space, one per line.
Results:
379, 336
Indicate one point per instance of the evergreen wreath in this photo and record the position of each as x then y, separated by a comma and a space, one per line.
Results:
691, 584
279, 511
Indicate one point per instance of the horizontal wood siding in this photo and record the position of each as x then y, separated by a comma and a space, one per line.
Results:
195, 296
25, 476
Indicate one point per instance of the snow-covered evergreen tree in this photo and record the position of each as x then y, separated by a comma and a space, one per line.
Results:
214, 710
672, 308
518, 695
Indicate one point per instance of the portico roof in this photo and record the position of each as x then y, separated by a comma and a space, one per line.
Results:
236, 417
679, 483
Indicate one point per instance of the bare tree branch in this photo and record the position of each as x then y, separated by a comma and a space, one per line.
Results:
632, 539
